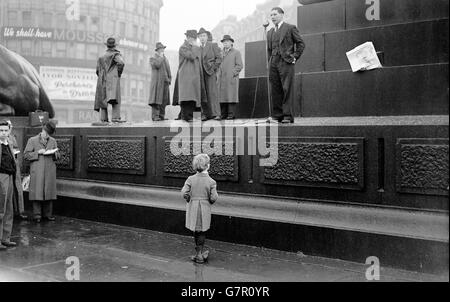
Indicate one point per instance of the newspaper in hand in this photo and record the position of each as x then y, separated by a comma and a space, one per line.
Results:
364, 57
51, 151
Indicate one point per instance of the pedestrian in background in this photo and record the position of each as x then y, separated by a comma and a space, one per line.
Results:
200, 192
160, 83
42, 152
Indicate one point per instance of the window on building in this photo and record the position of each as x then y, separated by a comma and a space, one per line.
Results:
135, 31
109, 27
135, 57
133, 86
94, 26
13, 19
141, 61
27, 46
122, 29
80, 51
13, 45
47, 20
92, 52
120, 4
61, 21
26, 19
46, 49
101, 50
143, 36
61, 49
82, 23
141, 89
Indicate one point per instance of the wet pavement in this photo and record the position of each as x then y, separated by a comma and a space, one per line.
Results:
109, 253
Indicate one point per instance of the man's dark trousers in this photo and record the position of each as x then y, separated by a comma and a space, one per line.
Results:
281, 76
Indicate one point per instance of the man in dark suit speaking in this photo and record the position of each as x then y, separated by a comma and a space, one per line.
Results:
285, 46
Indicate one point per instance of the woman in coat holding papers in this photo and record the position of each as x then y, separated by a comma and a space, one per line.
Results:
42, 152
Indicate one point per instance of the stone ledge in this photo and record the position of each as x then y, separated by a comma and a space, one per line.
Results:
366, 219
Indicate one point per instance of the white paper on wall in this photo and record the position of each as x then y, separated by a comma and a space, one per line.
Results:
364, 57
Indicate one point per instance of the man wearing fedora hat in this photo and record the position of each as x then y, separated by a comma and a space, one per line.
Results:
229, 78
42, 152
160, 83
189, 90
109, 71
211, 59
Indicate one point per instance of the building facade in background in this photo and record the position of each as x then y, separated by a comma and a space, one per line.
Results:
250, 28
64, 38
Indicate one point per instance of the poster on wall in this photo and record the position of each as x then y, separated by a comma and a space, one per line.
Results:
69, 83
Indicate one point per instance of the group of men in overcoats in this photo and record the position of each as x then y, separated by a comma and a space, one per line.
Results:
207, 78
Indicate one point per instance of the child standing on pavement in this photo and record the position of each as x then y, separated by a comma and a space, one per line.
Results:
200, 192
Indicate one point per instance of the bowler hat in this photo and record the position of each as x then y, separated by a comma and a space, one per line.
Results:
202, 31
50, 127
192, 33
227, 37
111, 43
159, 45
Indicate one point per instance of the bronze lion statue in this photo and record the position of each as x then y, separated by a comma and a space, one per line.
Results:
21, 90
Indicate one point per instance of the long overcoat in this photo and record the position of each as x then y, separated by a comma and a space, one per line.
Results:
42, 168
229, 76
109, 70
189, 85
200, 191
160, 82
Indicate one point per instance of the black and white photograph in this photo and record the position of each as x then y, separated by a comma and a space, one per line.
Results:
224, 147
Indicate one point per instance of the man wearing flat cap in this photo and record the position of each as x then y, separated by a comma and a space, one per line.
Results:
211, 59
229, 79
160, 83
189, 90
109, 71
42, 152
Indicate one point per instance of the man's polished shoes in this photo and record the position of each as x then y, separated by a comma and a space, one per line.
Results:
23, 217
51, 218
287, 121
9, 244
